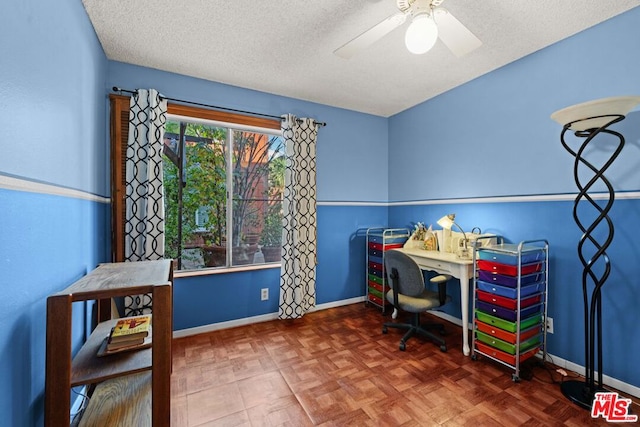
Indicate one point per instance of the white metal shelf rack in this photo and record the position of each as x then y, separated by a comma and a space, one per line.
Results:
510, 297
380, 240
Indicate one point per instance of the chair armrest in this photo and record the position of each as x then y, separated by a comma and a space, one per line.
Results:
394, 278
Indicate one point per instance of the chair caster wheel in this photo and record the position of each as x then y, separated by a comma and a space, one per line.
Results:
515, 378
402, 346
384, 330
474, 357
443, 348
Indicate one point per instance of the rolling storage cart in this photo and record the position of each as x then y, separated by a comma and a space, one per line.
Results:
510, 302
380, 240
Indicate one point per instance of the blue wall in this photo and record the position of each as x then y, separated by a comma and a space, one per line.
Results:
493, 137
53, 119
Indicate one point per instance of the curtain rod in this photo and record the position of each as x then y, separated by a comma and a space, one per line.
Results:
117, 89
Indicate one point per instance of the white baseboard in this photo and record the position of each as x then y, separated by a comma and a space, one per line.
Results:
565, 364
609, 381
256, 319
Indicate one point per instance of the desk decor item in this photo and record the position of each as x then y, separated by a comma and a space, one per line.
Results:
588, 121
447, 222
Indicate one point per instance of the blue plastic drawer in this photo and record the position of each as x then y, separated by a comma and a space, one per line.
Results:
377, 260
510, 281
389, 239
505, 313
510, 258
510, 292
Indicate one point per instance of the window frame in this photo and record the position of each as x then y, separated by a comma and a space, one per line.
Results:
119, 132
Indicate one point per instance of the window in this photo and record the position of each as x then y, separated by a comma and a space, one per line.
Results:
224, 183
223, 193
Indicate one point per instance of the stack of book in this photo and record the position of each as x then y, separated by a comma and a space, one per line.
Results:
129, 333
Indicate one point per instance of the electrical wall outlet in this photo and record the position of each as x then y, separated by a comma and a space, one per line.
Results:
549, 325
264, 294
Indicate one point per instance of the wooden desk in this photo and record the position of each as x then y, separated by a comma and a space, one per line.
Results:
448, 263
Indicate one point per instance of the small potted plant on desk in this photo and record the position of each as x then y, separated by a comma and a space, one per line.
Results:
271, 238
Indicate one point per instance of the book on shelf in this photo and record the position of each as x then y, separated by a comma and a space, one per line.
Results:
129, 333
107, 348
131, 328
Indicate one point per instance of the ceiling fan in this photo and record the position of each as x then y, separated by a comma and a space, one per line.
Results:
428, 22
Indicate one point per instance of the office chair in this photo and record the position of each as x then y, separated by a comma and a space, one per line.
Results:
408, 293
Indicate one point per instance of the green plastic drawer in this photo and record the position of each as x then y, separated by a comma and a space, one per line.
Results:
505, 346
374, 291
374, 278
505, 324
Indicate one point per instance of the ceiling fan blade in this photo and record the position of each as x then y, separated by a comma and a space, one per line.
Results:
453, 34
370, 36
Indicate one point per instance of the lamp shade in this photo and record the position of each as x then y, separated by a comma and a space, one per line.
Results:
447, 221
421, 34
595, 114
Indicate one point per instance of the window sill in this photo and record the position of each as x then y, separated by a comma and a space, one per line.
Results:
225, 270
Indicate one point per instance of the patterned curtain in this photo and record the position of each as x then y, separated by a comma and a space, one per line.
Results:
144, 216
298, 271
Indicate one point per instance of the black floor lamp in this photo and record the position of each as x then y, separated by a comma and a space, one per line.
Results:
588, 121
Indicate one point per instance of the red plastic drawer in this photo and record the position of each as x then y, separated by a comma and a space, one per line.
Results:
509, 270
378, 301
507, 302
375, 265
505, 357
375, 246
390, 246
375, 285
507, 336
382, 247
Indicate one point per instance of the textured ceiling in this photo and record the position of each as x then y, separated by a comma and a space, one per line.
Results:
285, 47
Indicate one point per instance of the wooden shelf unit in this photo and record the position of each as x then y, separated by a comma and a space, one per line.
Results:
106, 282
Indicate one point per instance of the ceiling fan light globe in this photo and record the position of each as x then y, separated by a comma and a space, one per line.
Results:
421, 34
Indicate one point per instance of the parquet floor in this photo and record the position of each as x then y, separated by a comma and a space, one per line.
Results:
335, 368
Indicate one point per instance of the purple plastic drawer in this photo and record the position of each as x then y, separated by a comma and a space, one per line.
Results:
510, 281
375, 253
505, 313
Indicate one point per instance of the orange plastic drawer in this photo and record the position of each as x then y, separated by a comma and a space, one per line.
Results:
509, 337
507, 302
505, 357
